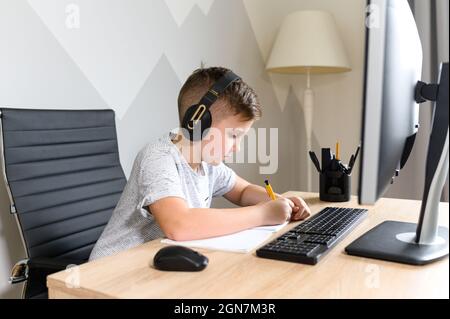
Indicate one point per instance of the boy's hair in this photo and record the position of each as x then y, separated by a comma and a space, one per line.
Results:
239, 97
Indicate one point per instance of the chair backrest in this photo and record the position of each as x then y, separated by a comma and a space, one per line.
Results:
64, 176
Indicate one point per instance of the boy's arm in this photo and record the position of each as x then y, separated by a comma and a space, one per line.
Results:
246, 194
179, 222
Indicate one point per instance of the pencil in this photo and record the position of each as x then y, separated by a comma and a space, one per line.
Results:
337, 150
269, 190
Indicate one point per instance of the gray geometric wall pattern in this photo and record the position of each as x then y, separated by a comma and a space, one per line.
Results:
114, 42
137, 56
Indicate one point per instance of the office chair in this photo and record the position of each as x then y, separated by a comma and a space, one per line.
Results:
64, 178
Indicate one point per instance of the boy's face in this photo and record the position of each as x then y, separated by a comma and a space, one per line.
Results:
224, 138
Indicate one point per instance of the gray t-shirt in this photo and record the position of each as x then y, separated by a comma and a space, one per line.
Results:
159, 171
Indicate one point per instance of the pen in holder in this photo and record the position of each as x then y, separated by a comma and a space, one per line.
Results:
335, 177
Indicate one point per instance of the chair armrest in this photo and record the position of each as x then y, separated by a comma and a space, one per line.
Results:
23, 268
50, 265
35, 271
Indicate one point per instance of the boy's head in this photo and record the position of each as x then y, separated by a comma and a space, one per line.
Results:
233, 113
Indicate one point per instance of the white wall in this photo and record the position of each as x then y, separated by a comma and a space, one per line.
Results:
338, 97
133, 56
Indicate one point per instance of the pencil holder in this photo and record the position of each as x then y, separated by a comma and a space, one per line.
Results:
335, 182
335, 186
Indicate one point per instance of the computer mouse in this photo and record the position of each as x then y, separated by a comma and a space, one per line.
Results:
179, 258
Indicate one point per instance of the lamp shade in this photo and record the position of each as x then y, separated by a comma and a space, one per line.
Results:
308, 40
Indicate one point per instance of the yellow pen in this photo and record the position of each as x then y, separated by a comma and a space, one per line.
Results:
269, 190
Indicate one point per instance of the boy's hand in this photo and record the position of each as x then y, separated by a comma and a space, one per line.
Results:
284, 209
300, 210
277, 211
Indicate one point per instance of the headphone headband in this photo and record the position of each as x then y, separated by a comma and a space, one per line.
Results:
218, 88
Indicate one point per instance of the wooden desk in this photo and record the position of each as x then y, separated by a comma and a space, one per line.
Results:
232, 275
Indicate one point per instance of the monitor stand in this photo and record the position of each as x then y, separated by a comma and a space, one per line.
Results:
425, 241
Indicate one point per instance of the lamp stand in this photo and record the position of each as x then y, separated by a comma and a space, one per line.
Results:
308, 102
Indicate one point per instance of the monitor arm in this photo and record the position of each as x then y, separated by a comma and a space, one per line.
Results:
426, 92
437, 156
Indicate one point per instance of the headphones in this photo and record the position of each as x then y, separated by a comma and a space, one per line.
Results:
197, 118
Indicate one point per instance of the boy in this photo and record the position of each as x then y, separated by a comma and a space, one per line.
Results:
172, 181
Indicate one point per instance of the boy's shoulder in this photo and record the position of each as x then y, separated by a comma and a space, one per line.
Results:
162, 148
158, 152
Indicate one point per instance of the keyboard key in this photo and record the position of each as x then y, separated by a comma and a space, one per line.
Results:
321, 239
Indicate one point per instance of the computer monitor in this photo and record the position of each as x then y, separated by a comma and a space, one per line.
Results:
392, 93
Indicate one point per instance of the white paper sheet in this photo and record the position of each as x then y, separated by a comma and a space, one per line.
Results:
242, 242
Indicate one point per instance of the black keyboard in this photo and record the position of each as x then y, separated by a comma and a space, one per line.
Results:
312, 239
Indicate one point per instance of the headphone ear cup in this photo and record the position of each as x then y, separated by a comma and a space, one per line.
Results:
201, 126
